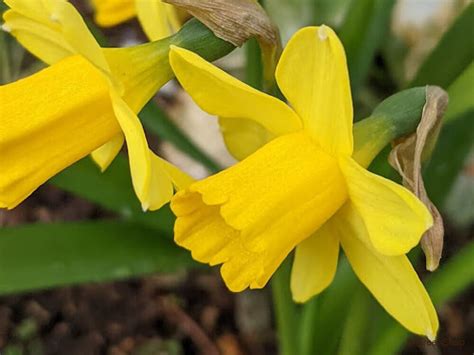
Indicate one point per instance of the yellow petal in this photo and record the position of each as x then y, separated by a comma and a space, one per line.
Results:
243, 137
218, 93
176, 17
152, 179
312, 74
77, 34
105, 154
52, 30
41, 40
249, 217
109, 13
179, 178
33, 9
161, 187
164, 176
138, 151
46, 124
315, 263
394, 217
391, 279
154, 18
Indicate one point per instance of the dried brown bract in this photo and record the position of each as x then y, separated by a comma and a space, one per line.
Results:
407, 156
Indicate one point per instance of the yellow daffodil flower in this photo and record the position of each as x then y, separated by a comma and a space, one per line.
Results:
299, 185
85, 102
158, 20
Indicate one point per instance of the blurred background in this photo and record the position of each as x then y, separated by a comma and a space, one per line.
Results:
91, 274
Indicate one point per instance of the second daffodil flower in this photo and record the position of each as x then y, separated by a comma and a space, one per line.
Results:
86, 102
157, 19
299, 186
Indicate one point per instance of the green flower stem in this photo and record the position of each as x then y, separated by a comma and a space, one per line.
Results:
355, 327
396, 116
253, 67
198, 38
323, 317
286, 311
309, 317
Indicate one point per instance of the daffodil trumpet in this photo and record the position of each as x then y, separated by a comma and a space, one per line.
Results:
86, 102
300, 184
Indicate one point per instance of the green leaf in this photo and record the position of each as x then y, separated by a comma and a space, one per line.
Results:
43, 256
455, 142
286, 311
112, 190
451, 56
329, 11
362, 33
157, 122
461, 95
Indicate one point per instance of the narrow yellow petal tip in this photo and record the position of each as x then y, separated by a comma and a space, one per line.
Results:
6, 28
430, 335
145, 206
322, 33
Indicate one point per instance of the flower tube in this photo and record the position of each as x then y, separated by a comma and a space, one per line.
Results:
55, 32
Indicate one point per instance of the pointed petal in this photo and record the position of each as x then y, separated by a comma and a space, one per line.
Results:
180, 179
151, 178
138, 151
161, 187
312, 74
154, 18
33, 9
315, 263
105, 154
50, 29
391, 279
77, 34
394, 217
109, 13
176, 17
220, 94
41, 40
62, 104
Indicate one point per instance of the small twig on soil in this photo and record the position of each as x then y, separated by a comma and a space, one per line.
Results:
175, 314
